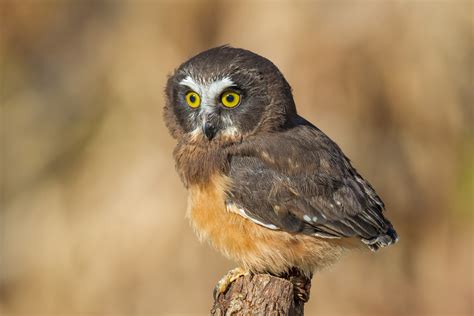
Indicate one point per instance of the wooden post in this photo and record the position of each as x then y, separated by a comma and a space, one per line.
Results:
259, 294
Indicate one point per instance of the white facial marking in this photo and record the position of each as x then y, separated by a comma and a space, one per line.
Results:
191, 84
315, 218
216, 87
307, 218
229, 128
230, 131
227, 120
209, 92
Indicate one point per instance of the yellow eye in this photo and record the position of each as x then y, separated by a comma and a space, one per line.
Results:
230, 99
193, 99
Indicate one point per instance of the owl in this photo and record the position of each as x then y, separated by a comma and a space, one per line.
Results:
267, 188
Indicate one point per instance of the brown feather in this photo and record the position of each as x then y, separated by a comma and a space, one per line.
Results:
256, 248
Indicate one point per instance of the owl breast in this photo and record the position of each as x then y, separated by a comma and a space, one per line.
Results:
254, 247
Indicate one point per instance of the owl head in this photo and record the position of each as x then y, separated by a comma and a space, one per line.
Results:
227, 92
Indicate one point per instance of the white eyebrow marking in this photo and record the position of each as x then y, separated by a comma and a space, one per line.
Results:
190, 83
209, 92
216, 87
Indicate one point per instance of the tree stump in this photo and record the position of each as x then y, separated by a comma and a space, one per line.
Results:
259, 294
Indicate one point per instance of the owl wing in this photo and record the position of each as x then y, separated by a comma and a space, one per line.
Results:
299, 181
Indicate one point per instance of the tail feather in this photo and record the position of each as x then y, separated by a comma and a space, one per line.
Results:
390, 237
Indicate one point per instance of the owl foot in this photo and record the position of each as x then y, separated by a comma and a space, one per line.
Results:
301, 284
226, 281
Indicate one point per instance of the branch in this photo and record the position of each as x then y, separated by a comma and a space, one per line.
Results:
260, 294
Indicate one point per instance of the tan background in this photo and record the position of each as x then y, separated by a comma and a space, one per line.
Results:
92, 211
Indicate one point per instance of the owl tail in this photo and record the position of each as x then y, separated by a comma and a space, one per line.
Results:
390, 237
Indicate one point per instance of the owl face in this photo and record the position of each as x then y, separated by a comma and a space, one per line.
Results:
226, 92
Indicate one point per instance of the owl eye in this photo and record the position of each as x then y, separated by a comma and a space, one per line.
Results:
193, 99
230, 99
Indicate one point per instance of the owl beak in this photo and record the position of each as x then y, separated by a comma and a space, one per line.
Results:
209, 130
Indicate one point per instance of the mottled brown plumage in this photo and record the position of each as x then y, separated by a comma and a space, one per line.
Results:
266, 188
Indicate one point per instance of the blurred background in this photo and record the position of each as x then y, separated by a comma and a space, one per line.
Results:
92, 211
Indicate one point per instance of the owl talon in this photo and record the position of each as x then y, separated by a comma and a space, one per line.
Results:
227, 280
301, 284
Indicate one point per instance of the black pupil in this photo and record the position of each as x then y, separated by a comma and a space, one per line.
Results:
192, 98
229, 98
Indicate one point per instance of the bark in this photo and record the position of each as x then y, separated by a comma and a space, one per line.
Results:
259, 294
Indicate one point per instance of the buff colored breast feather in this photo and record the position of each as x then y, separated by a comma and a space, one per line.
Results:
255, 247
